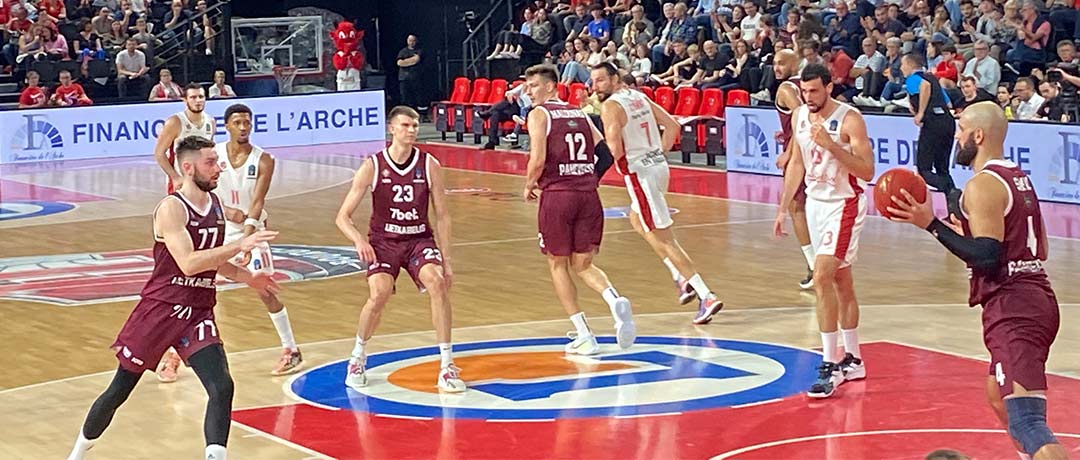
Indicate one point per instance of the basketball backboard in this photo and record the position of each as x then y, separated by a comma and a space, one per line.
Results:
260, 44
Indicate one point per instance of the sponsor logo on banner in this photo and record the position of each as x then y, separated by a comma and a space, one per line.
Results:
80, 279
530, 379
129, 130
1049, 153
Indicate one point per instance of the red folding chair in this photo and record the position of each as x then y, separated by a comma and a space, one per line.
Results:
648, 91
738, 97
578, 92
665, 98
563, 90
444, 114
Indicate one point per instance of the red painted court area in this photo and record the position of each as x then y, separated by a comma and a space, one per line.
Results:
913, 401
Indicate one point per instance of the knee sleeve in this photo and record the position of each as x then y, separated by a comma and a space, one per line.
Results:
1027, 423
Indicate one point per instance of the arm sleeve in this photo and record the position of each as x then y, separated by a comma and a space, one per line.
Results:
980, 253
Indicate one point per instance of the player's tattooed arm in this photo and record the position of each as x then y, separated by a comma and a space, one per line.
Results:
262, 187
168, 134
360, 186
170, 221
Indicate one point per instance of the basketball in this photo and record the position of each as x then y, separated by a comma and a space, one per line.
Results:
890, 184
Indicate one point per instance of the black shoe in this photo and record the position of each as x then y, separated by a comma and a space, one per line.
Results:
489, 146
829, 377
952, 200
485, 114
807, 282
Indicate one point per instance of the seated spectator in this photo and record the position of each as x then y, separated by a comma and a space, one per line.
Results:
641, 66
54, 9
221, 90
614, 56
179, 26
1027, 102
56, 46
1005, 99
126, 16
681, 71
88, 45
880, 27
33, 96
1052, 109
635, 33
711, 66
166, 89
69, 93
867, 63
841, 68
985, 69
578, 70
577, 23
727, 28
973, 94
146, 40
84, 10
139, 7
681, 29
18, 25
102, 23
948, 69
207, 29
131, 70
894, 86
1032, 34
31, 45
116, 39
1066, 53
599, 28
789, 32
751, 23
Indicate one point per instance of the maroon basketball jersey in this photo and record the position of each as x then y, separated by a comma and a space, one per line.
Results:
570, 163
785, 113
168, 283
1024, 247
399, 197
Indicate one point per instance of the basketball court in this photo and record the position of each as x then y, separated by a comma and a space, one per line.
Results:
76, 239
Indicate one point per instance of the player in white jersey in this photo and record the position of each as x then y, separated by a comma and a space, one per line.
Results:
246, 171
831, 154
631, 128
191, 122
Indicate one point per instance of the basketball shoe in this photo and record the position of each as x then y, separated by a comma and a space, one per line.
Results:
708, 307
807, 282
291, 361
356, 377
167, 370
829, 377
685, 291
450, 379
625, 330
852, 368
582, 344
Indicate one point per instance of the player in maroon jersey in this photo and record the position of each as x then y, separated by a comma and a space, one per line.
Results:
788, 98
403, 180
177, 306
1002, 239
571, 219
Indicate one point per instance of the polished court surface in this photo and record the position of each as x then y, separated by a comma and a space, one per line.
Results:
74, 251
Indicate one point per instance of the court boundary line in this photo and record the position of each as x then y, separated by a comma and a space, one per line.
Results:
282, 441
781, 442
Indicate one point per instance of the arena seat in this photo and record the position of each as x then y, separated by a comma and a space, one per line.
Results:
648, 91
496, 94
705, 128
689, 99
481, 89
738, 97
665, 98
578, 93
443, 110
564, 91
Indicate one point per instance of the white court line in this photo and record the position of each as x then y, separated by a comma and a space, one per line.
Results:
665, 414
770, 401
284, 442
405, 417
781, 442
519, 420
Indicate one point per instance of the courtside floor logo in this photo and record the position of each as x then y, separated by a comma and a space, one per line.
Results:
26, 209
532, 379
79, 279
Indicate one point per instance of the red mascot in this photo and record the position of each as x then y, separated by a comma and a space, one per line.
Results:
348, 60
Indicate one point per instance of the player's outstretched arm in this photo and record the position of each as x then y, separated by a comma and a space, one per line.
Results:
538, 123
261, 281
262, 186
668, 123
614, 120
168, 134
361, 184
170, 219
442, 214
860, 160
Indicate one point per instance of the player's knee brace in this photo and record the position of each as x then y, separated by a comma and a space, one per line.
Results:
1027, 423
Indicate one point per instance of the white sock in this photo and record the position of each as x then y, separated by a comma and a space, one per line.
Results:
81, 446
579, 323
808, 252
699, 286
358, 349
828, 347
851, 341
1023, 456
675, 275
444, 352
284, 329
610, 295
215, 452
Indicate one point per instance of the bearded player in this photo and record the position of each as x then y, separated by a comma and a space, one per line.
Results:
631, 127
246, 171
193, 121
832, 155
177, 305
1001, 237
788, 98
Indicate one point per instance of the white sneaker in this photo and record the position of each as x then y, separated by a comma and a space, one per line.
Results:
510, 138
852, 368
625, 330
450, 379
356, 377
582, 345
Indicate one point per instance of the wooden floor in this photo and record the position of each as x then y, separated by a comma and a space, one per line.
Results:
57, 357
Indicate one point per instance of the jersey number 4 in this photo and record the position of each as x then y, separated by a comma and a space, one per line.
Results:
575, 142
403, 193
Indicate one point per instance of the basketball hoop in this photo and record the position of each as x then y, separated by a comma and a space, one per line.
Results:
284, 76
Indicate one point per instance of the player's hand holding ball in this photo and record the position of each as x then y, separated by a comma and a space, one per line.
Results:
905, 208
251, 241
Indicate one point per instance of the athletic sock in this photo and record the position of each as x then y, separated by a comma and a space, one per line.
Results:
215, 452
444, 353
610, 295
675, 275
579, 323
851, 341
284, 329
358, 349
808, 252
81, 446
828, 347
699, 286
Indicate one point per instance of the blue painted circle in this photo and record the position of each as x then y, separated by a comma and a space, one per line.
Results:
325, 385
18, 209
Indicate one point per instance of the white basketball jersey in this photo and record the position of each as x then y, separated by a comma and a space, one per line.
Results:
641, 135
826, 178
188, 128
236, 185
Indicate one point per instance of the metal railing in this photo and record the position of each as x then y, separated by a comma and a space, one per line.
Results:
179, 42
477, 44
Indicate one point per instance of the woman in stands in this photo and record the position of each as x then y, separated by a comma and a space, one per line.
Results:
641, 67
166, 89
88, 45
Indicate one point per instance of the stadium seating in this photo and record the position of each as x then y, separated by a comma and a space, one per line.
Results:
443, 110
648, 91
496, 93
481, 88
665, 98
578, 93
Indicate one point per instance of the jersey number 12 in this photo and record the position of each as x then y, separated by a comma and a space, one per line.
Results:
575, 142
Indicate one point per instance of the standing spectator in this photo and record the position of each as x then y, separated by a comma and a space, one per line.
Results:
131, 69
166, 89
985, 69
33, 96
69, 93
408, 61
102, 23
221, 90
1029, 100
1031, 37
599, 28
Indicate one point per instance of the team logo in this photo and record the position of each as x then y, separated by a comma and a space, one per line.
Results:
36, 139
251, 171
386, 173
81, 279
755, 142
26, 209
526, 379
623, 212
833, 124
1064, 170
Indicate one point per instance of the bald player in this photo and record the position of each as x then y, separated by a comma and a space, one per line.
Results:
788, 98
1001, 237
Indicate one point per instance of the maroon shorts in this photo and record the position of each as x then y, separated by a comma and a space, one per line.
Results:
412, 254
154, 326
571, 222
1018, 328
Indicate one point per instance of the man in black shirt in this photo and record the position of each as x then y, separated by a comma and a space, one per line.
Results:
1052, 109
408, 62
710, 66
933, 115
969, 86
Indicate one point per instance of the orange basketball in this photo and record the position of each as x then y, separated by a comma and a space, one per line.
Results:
890, 183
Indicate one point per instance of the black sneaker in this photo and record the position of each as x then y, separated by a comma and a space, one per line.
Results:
852, 368
489, 146
829, 377
952, 200
807, 282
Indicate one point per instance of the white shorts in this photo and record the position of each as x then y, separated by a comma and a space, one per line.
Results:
835, 227
646, 186
262, 260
